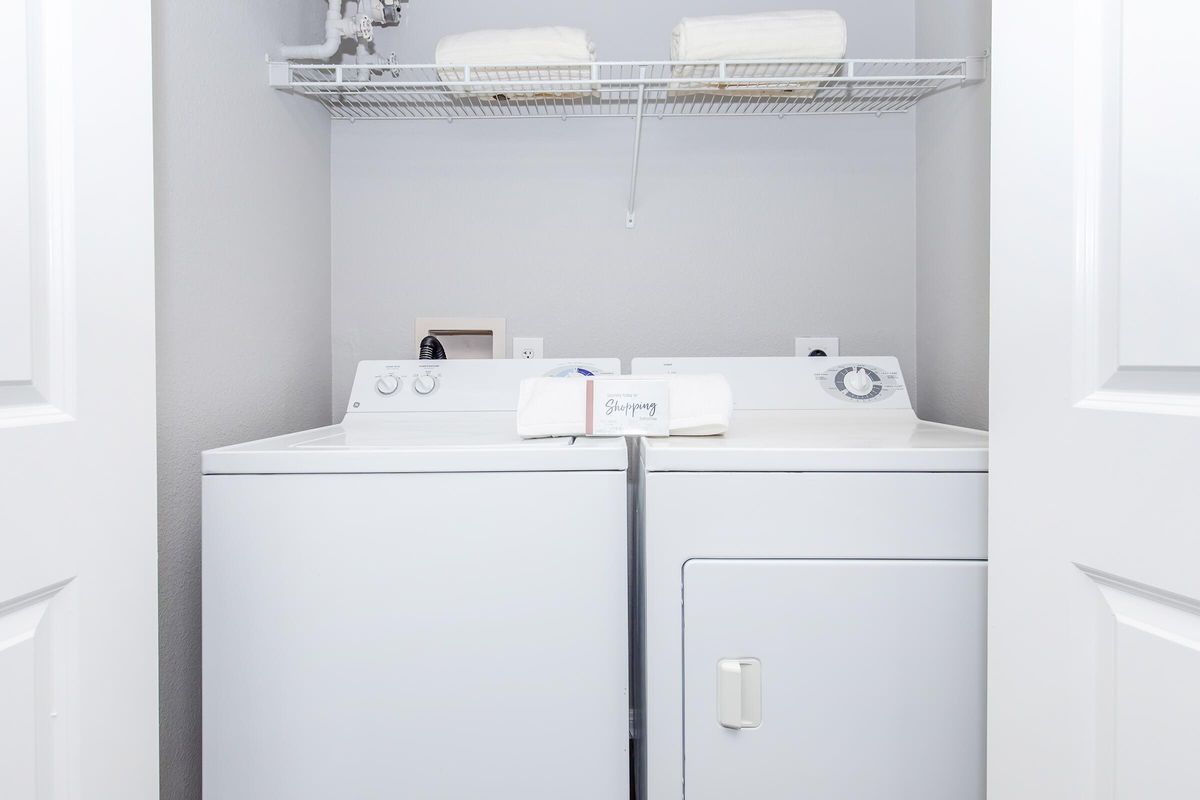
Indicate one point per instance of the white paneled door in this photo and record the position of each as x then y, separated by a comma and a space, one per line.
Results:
78, 628
1094, 649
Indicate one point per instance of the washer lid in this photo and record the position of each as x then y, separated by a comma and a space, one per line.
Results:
823, 441
480, 441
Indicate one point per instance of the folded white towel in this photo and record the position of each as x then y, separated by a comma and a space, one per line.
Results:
700, 405
552, 407
773, 36
522, 54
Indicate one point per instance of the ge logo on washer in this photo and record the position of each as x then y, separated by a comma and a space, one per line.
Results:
859, 383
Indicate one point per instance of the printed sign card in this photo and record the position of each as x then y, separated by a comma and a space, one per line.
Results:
628, 407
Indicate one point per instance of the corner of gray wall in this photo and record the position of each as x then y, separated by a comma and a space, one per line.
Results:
952, 202
242, 232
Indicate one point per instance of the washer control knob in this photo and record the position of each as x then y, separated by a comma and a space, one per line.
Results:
387, 385
424, 384
858, 383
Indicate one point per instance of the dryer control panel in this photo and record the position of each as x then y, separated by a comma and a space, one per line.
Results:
458, 385
860, 382
798, 383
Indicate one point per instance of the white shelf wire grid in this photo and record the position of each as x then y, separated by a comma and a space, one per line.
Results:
624, 89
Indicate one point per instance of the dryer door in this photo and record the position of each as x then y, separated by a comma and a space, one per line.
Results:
854, 680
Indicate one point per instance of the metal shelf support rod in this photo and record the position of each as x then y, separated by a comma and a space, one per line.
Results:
637, 148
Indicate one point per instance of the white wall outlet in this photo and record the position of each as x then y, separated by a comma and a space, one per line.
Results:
816, 345
527, 347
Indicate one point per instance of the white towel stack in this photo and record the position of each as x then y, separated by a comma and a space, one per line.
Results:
521, 54
700, 405
776, 36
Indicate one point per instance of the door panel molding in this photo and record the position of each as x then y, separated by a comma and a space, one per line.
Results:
43, 390
1102, 378
1147, 689
37, 705
15, 294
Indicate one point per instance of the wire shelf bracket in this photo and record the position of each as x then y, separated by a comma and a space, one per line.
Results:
637, 149
634, 90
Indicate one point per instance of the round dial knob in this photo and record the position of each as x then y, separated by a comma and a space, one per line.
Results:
424, 384
858, 383
388, 384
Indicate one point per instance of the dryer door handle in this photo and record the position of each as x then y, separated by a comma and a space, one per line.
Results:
739, 693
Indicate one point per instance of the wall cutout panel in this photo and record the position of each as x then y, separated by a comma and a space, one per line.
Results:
1148, 719
34, 704
36, 188
1137, 268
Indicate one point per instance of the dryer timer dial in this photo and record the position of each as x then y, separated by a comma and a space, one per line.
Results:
859, 383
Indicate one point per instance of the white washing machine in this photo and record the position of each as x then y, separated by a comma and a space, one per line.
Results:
813, 592
416, 603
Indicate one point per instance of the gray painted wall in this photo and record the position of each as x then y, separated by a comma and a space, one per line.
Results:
242, 183
953, 176
749, 232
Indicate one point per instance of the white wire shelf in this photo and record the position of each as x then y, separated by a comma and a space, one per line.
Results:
623, 89
635, 90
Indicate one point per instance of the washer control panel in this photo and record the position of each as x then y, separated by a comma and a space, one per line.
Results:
860, 383
457, 385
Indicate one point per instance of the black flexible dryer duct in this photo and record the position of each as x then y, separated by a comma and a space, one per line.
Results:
431, 349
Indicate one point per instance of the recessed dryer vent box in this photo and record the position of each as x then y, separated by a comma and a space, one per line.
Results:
464, 337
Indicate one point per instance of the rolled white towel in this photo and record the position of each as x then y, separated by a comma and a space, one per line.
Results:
522, 54
775, 36
782, 35
699, 405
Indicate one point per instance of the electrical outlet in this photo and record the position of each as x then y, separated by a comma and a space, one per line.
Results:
527, 347
816, 345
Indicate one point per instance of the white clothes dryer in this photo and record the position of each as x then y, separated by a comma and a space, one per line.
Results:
417, 603
812, 592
